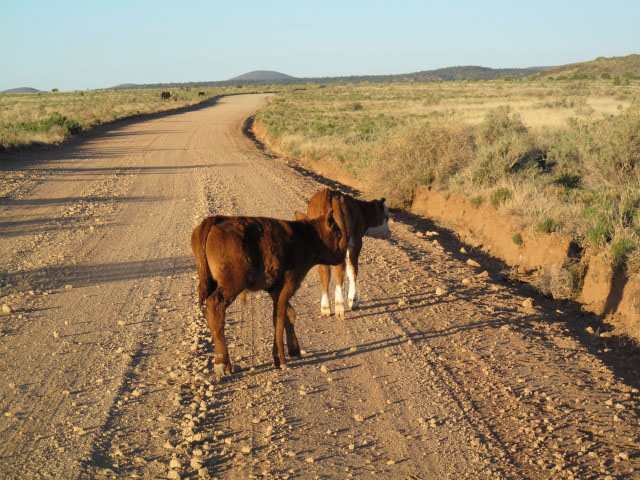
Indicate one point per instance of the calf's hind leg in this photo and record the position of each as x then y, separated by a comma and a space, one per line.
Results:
216, 308
280, 303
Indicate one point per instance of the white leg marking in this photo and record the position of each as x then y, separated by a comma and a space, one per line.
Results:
218, 370
325, 307
339, 302
353, 292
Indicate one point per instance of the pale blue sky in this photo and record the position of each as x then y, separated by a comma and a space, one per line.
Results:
92, 44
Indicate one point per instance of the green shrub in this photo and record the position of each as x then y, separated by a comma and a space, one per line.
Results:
72, 126
599, 232
620, 248
56, 119
517, 238
605, 76
499, 196
476, 201
547, 225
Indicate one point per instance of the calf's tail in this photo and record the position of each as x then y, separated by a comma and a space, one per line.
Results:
206, 283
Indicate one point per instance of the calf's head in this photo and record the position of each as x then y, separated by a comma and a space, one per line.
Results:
331, 235
379, 220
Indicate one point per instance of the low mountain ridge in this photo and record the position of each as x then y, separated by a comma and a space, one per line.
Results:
21, 90
627, 67
259, 75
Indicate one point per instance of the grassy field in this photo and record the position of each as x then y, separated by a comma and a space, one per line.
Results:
564, 156
49, 118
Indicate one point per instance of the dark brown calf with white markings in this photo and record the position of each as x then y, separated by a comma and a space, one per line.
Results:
357, 218
234, 254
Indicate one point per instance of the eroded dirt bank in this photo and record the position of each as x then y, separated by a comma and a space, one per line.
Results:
605, 288
104, 356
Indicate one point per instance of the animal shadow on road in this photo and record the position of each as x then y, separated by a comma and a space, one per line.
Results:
120, 170
56, 277
21, 202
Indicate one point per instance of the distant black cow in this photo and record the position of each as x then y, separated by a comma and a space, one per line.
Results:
201, 94
165, 95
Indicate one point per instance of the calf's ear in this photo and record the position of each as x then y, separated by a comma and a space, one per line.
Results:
299, 215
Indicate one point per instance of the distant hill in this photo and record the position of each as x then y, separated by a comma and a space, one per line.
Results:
126, 86
21, 90
628, 66
479, 73
262, 75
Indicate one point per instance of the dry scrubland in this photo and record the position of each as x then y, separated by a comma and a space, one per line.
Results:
564, 156
51, 117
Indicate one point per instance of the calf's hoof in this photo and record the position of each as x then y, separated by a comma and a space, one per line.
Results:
281, 364
325, 311
294, 352
221, 370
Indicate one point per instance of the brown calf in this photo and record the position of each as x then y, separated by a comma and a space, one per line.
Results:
357, 218
234, 254
201, 94
165, 95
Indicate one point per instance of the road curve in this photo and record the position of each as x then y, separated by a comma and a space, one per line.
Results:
104, 355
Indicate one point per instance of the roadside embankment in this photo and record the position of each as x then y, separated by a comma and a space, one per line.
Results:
602, 288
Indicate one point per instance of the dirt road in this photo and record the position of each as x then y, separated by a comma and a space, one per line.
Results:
104, 357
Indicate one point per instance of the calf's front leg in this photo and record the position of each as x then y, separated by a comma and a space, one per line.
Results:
325, 276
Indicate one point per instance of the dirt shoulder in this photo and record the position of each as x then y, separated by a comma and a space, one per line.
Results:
105, 357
